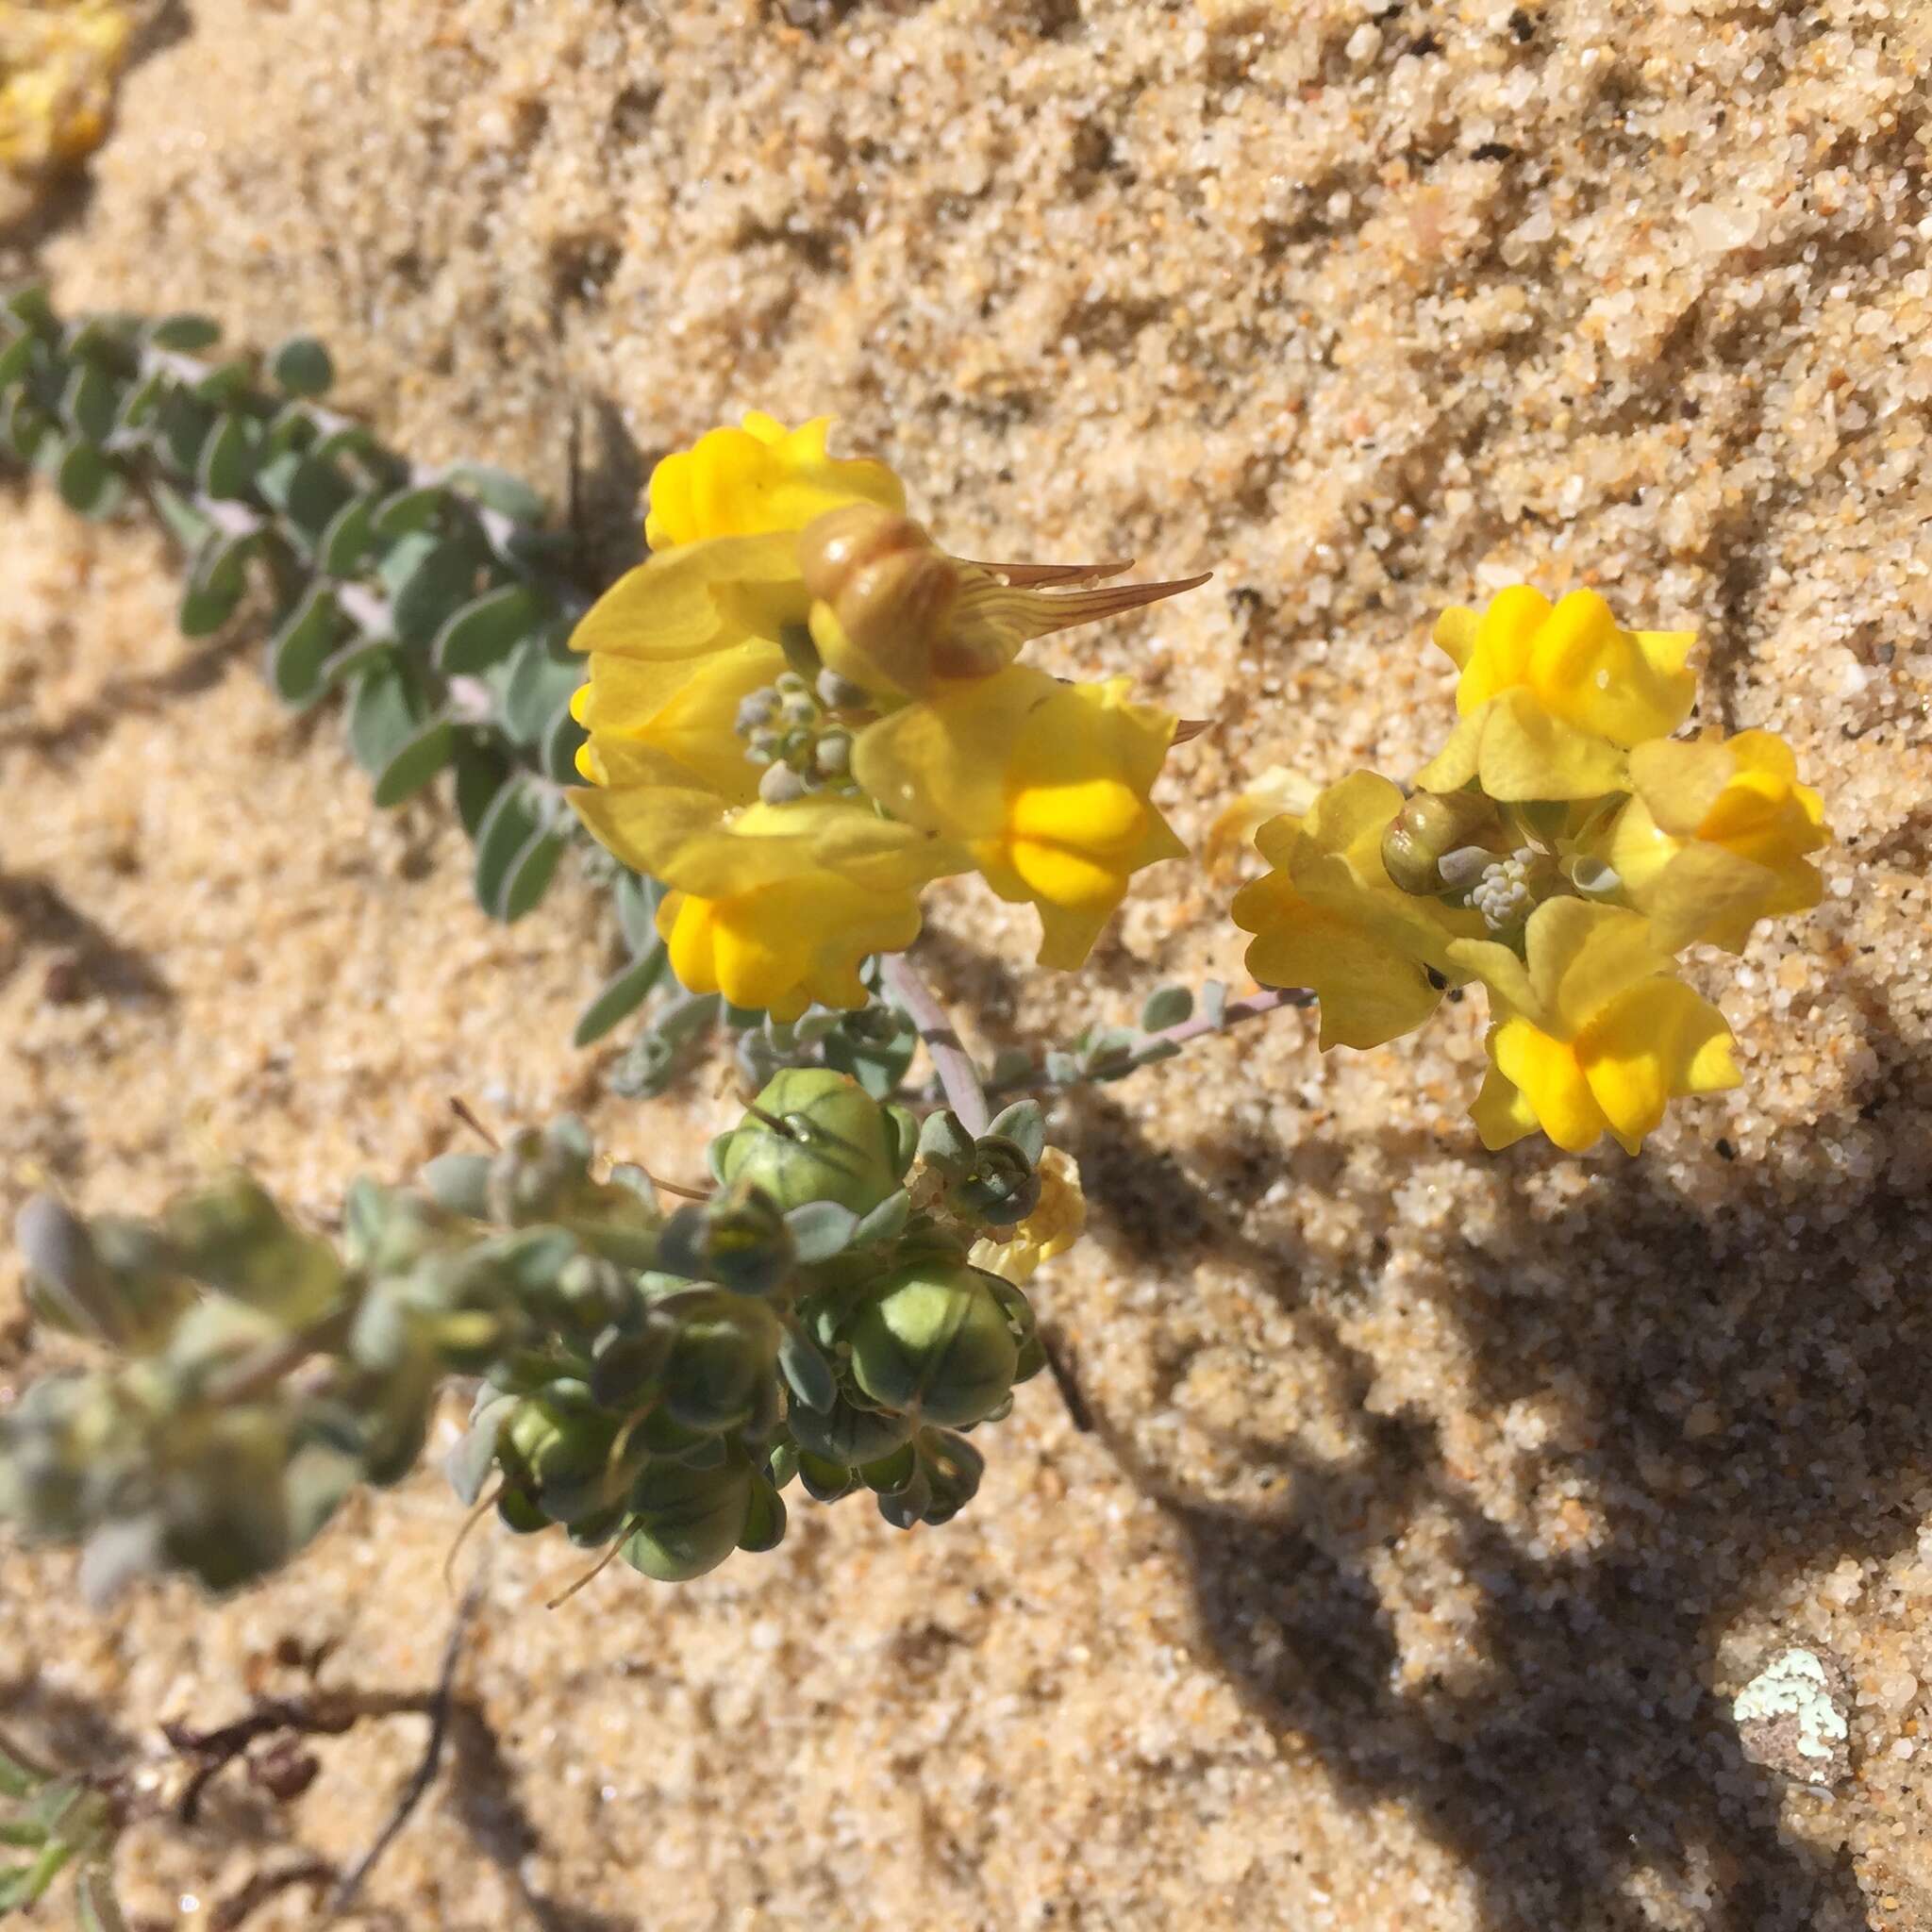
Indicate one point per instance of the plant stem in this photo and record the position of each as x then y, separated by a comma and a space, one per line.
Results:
959, 1077
1270, 999
1151, 1047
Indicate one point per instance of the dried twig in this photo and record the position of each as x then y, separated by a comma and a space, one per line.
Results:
425, 1774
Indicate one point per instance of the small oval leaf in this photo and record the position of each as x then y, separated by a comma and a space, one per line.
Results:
384, 715
87, 480
621, 995
529, 876
299, 650
416, 763
484, 630
346, 539
303, 367
506, 827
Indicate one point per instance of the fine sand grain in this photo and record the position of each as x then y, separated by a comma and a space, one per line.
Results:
1438, 1504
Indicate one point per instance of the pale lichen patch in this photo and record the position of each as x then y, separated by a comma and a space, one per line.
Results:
1791, 1719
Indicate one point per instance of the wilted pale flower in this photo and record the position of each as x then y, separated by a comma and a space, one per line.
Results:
1056, 1222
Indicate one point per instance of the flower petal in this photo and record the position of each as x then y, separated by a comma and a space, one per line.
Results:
1656, 1041
1501, 1114
681, 602
1551, 1085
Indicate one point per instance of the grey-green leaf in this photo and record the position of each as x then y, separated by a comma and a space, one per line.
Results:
87, 480
1167, 1005
303, 645
409, 510
505, 829
215, 585
16, 358
621, 996
820, 1229
301, 366
557, 753
538, 684
1025, 1125
416, 762
92, 402
885, 1222
227, 459
529, 876
497, 490
441, 582
346, 538
184, 331
484, 630
638, 899
807, 1373
384, 715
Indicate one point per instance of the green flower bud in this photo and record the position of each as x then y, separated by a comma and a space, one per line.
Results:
726, 1348
739, 1240
844, 1435
559, 1444
630, 1367
688, 1520
814, 1134
1001, 1186
1429, 826
934, 1342
823, 1480
520, 1512
234, 1237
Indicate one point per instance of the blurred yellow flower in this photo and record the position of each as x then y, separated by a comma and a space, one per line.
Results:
1550, 695
757, 479
1046, 784
1055, 1223
58, 62
1715, 837
1327, 916
1591, 1034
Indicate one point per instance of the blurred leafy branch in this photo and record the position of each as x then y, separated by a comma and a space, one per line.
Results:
432, 601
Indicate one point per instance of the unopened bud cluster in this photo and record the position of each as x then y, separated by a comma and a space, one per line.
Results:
791, 729
646, 1382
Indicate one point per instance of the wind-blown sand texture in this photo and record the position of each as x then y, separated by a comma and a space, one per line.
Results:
1437, 1505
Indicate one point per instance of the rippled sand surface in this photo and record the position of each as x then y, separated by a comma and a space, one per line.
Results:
1436, 1505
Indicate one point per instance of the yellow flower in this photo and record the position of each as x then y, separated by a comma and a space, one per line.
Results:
684, 707
1046, 784
757, 479
773, 905
1550, 695
724, 521
1328, 917
1591, 1035
59, 61
1715, 837
1055, 1223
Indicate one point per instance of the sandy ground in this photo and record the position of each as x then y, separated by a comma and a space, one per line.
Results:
1437, 1504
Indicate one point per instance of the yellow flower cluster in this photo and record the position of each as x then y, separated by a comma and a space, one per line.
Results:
801, 711
58, 62
1562, 849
